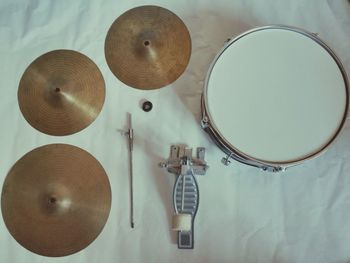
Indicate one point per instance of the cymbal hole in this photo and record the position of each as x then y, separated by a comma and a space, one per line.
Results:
52, 200
146, 43
57, 89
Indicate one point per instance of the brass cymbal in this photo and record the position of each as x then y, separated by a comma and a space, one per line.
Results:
61, 92
148, 47
56, 200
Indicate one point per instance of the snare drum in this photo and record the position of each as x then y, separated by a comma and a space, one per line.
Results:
275, 97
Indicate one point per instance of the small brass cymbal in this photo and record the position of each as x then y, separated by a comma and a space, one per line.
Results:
56, 200
61, 92
148, 47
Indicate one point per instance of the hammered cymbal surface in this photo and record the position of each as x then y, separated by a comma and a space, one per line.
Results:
61, 92
148, 47
56, 200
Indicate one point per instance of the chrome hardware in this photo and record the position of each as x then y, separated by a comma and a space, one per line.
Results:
205, 122
273, 169
185, 192
226, 160
129, 133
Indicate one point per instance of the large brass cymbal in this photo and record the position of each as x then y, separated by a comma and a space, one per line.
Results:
61, 92
148, 47
56, 200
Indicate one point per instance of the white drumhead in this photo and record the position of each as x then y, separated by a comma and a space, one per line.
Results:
276, 95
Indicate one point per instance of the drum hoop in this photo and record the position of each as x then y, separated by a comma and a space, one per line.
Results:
214, 132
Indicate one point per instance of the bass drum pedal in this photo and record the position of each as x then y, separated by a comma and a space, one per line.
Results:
185, 192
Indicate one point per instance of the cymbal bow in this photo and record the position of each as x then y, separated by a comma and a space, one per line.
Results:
56, 200
148, 47
61, 92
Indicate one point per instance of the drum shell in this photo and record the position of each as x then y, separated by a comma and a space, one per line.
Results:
233, 153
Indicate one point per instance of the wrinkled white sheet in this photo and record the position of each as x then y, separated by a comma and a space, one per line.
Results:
245, 215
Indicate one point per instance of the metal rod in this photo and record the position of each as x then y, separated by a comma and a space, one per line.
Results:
130, 134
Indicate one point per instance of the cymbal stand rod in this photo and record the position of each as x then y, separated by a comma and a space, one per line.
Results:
130, 134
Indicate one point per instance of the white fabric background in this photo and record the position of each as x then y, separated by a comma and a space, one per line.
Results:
245, 215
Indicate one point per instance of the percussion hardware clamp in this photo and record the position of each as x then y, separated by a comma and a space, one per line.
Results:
185, 192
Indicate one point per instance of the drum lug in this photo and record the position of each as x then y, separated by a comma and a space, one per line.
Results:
226, 160
273, 169
205, 122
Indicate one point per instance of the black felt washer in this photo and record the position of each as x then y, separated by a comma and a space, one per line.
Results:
147, 106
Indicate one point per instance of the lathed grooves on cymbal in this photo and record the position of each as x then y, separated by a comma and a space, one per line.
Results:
148, 47
61, 92
56, 200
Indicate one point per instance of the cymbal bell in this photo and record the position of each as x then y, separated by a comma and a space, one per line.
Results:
148, 47
61, 92
56, 200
